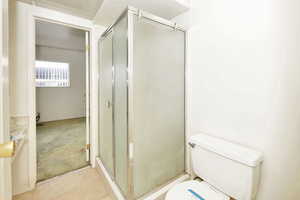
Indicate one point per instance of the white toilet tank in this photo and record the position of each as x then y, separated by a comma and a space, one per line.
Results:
231, 168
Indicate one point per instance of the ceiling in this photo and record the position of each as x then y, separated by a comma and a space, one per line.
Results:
82, 8
105, 12
168, 9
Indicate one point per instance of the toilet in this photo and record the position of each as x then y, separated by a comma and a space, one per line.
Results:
228, 171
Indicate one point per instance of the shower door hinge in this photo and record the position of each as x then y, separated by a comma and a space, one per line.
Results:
88, 146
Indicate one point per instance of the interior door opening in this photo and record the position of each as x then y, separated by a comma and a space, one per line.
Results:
62, 99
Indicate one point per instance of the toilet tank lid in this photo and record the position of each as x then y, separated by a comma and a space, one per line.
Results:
227, 149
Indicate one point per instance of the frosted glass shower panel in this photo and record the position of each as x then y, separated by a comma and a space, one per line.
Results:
106, 139
142, 102
120, 102
158, 109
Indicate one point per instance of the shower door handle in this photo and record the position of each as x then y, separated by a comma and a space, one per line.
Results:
108, 104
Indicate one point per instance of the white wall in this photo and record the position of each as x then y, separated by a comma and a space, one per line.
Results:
60, 43
243, 82
62, 103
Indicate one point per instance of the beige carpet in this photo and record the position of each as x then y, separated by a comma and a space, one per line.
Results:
60, 147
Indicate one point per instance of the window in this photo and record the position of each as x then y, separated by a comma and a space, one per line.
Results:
52, 74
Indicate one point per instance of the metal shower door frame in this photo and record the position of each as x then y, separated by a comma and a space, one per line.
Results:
131, 12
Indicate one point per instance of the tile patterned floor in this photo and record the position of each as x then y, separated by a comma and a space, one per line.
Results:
84, 184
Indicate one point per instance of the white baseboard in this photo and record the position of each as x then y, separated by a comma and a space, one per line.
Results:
152, 196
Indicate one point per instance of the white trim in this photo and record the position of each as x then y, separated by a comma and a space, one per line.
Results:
39, 13
32, 173
87, 92
5, 163
83, 13
62, 18
32, 88
94, 77
112, 184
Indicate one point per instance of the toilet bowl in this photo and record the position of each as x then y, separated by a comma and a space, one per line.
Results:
232, 168
195, 190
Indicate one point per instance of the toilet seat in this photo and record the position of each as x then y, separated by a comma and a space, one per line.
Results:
203, 189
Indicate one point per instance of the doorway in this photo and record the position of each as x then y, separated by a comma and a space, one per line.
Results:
62, 99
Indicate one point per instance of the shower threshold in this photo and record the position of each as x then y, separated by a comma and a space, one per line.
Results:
154, 195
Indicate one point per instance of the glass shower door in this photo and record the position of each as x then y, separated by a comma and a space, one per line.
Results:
106, 138
113, 104
141, 104
158, 109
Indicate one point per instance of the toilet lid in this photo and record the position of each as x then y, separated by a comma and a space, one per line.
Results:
195, 190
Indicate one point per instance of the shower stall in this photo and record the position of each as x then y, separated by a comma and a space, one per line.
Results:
142, 102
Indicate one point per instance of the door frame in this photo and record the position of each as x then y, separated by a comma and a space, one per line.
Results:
5, 163
87, 81
41, 14
87, 76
